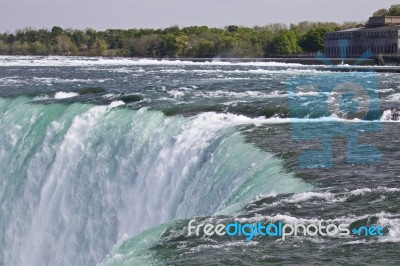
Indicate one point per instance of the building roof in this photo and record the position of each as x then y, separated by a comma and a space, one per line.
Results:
385, 17
383, 28
352, 29
368, 29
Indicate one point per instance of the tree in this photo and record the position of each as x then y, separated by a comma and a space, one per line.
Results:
227, 46
38, 48
167, 45
285, 43
172, 30
20, 48
276, 27
144, 46
172, 42
232, 28
4, 49
64, 45
381, 12
205, 48
80, 39
99, 47
182, 45
348, 25
394, 10
56, 31
313, 41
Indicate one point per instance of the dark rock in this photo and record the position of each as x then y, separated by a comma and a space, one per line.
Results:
92, 90
131, 98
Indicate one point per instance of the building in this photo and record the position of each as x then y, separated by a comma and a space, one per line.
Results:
380, 35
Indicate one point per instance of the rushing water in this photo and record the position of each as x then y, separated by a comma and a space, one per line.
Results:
92, 179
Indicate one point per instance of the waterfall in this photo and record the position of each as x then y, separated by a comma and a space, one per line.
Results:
77, 178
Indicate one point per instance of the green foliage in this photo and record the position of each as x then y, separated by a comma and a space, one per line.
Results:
38, 48
348, 25
144, 46
99, 47
232, 28
173, 42
80, 39
285, 43
64, 45
205, 48
20, 48
4, 48
394, 10
56, 31
381, 12
306, 26
313, 41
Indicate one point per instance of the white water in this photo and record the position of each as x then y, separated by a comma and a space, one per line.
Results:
77, 179
64, 95
390, 116
101, 61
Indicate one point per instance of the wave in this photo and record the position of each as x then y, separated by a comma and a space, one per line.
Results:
328, 197
390, 116
64, 95
184, 91
19, 81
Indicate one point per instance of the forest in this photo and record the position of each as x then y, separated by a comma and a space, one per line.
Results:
276, 39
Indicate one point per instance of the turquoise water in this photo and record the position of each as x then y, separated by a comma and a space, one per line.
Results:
80, 177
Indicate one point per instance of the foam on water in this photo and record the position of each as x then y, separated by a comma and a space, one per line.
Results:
245, 94
64, 95
390, 116
100, 61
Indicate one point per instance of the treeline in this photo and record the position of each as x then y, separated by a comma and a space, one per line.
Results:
394, 10
173, 42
